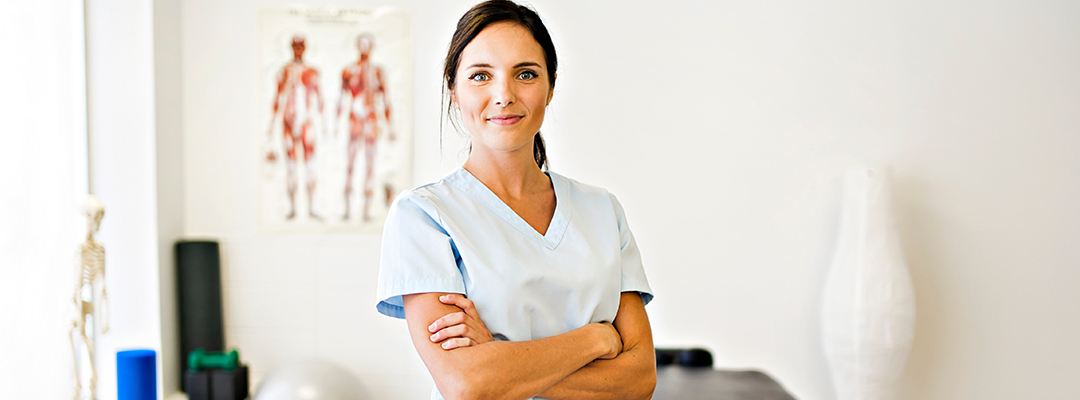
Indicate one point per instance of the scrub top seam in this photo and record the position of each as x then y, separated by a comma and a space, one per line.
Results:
465, 181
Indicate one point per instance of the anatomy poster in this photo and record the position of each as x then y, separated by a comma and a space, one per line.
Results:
335, 117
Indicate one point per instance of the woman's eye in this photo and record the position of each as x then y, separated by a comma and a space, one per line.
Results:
479, 76
526, 75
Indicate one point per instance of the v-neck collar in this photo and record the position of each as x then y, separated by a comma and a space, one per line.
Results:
464, 180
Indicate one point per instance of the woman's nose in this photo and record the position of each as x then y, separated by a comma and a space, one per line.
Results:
504, 94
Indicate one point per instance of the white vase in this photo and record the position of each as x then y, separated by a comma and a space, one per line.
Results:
868, 307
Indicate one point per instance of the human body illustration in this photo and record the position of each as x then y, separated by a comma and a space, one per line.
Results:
363, 87
89, 274
300, 103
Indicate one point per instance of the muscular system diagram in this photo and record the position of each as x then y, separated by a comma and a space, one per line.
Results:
297, 97
332, 169
361, 85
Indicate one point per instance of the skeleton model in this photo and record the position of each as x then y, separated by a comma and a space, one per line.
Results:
90, 269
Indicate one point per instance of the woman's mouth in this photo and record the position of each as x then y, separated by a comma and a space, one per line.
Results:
505, 119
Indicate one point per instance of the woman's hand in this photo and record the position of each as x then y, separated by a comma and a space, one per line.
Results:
611, 339
459, 329
465, 328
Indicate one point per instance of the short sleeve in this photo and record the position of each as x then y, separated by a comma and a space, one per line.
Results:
418, 255
633, 272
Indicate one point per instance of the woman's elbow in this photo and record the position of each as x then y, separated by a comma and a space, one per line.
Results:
465, 386
459, 392
457, 387
646, 385
647, 391
466, 392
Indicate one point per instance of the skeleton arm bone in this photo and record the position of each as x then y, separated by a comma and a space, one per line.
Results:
104, 308
80, 266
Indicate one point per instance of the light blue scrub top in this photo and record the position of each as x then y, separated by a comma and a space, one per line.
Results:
456, 236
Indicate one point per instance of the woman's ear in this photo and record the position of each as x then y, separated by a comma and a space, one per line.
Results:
551, 91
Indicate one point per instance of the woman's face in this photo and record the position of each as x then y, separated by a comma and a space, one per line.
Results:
502, 88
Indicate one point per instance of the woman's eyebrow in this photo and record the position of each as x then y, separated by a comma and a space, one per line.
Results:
518, 65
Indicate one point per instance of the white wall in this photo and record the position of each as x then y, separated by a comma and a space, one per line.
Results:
43, 182
65, 57
723, 128
123, 174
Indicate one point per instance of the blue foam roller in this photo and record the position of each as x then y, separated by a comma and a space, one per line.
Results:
136, 375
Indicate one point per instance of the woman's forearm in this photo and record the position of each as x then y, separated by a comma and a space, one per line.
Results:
631, 375
519, 370
502, 370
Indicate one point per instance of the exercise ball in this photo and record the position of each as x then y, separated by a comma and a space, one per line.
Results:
310, 380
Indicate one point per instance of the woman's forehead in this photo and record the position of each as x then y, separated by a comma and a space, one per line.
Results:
503, 44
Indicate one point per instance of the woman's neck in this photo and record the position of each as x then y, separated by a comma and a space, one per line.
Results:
514, 175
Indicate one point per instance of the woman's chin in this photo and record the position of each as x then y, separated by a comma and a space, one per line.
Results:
504, 145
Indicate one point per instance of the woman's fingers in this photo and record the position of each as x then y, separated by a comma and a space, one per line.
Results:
454, 343
465, 305
450, 319
461, 302
465, 330
460, 330
459, 325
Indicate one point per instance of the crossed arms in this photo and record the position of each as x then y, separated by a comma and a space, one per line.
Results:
596, 361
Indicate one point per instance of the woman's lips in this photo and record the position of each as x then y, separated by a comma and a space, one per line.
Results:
505, 119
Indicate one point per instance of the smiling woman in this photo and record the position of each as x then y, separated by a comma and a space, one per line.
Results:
536, 34
515, 282
505, 89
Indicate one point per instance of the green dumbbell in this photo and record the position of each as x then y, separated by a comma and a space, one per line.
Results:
199, 360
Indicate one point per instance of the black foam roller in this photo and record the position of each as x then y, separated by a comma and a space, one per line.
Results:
695, 358
198, 268
666, 356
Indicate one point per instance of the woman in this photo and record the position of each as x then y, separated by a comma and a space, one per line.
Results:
555, 288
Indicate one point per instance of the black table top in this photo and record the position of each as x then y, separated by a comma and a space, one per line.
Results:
682, 383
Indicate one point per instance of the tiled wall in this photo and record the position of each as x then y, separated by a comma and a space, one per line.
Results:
289, 299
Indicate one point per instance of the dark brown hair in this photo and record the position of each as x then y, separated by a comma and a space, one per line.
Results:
483, 15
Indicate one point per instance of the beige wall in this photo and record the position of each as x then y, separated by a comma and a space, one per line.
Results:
724, 129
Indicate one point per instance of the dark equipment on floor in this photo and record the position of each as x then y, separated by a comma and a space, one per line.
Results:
215, 376
687, 374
